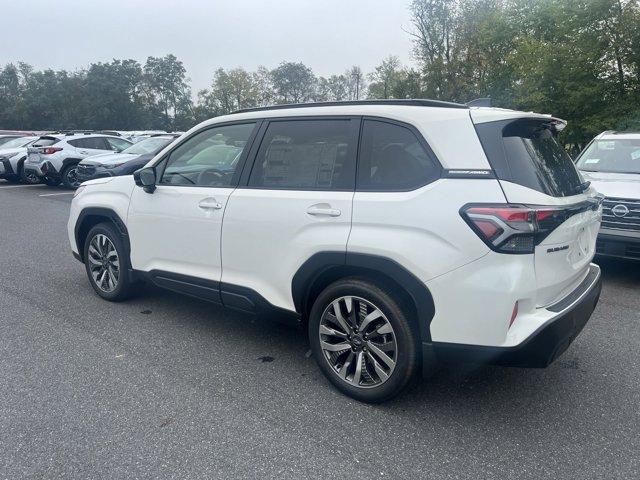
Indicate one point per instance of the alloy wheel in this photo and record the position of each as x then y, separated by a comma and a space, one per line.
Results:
72, 177
104, 263
358, 342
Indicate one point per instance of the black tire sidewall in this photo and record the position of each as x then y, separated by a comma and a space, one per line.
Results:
406, 338
65, 172
123, 290
51, 182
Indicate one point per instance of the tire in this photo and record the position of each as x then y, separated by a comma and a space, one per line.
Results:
28, 178
13, 179
69, 176
51, 182
379, 379
116, 284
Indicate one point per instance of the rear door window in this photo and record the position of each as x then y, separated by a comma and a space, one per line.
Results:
307, 154
392, 158
527, 153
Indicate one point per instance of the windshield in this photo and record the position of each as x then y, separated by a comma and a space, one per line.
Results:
19, 142
611, 156
150, 145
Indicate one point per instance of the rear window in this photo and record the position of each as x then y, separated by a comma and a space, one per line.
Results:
526, 152
45, 142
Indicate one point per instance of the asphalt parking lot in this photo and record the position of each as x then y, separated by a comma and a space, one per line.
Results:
165, 386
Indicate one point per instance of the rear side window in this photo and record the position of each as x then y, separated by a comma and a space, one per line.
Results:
94, 143
307, 155
392, 158
526, 152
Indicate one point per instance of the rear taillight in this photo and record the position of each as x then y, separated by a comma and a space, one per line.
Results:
50, 150
512, 228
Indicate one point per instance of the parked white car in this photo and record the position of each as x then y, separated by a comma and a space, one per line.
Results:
400, 232
58, 160
12, 156
612, 163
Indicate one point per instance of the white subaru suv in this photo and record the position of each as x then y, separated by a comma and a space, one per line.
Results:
56, 160
400, 232
612, 163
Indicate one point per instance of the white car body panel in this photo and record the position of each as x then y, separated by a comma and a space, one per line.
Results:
268, 235
259, 238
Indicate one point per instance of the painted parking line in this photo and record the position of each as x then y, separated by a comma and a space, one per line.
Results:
20, 186
54, 194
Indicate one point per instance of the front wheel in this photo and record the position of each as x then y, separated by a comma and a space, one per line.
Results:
70, 176
363, 340
107, 263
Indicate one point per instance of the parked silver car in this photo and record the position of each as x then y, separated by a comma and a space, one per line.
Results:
611, 162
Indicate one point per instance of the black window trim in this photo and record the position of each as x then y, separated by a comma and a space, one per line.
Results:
423, 142
244, 181
161, 164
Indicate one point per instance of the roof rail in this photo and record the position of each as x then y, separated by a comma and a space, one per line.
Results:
480, 102
406, 102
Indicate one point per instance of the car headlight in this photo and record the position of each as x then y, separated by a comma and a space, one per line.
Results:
78, 191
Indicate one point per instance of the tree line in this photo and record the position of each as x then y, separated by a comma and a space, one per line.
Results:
576, 59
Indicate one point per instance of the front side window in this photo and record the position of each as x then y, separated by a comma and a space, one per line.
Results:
392, 158
306, 155
117, 144
209, 158
612, 156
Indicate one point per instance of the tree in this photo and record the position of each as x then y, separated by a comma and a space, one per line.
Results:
385, 78
167, 88
293, 83
355, 83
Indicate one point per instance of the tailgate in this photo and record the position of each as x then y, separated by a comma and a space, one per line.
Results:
535, 171
562, 259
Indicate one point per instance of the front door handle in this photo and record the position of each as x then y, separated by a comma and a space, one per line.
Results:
210, 204
323, 209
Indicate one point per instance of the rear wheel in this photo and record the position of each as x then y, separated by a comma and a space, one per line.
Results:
107, 263
13, 179
28, 177
363, 340
70, 176
51, 182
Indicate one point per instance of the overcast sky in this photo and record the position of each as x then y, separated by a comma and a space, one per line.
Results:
327, 35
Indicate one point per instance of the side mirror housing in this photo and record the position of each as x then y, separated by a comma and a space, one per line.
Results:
146, 178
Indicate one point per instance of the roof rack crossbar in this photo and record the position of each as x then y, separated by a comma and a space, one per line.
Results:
406, 102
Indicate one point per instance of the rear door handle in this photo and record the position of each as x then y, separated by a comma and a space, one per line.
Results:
323, 209
210, 204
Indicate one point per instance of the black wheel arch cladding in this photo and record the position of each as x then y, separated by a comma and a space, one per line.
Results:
324, 268
92, 216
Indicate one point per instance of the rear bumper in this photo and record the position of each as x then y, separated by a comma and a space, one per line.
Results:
619, 246
45, 169
543, 346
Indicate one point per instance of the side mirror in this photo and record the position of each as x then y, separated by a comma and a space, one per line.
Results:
146, 178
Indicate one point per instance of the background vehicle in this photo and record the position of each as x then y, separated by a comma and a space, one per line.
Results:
124, 163
4, 138
58, 160
12, 156
383, 225
611, 162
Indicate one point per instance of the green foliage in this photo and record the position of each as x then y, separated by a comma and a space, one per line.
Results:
576, 59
